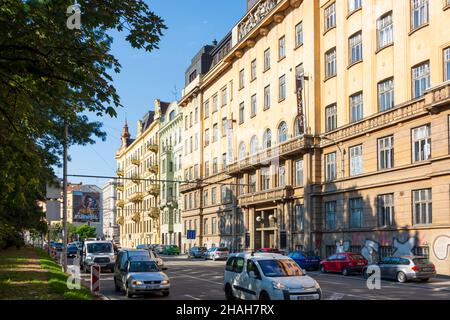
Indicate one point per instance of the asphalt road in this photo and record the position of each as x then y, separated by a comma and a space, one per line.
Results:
203, 280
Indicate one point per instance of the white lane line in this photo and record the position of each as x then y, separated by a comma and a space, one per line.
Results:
192, 297
206, 280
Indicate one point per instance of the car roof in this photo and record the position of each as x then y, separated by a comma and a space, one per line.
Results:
97, 241
133, 250
259, 255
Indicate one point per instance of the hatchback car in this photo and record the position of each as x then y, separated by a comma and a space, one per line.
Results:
197, 252
344, 262
306, 260
267, 276
72, 250
405, 268
171, 249
216, 253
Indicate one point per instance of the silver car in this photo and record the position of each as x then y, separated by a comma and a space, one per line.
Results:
141, 276
405, 268
217, 253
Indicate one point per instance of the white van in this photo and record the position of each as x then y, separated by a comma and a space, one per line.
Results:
267, 276
100, 253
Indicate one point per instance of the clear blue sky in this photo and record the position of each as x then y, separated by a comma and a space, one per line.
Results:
148, 76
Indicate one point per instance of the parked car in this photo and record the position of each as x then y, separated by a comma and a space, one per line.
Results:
58, 246
157, 258
197, 252
99, 253
72, 250
306, 260
263, 276
159, 248
216, 253
269, 250
143, 246
171, 249
344, 262
405, 268
139, 275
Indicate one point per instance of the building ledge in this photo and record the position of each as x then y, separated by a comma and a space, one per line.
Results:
271, 195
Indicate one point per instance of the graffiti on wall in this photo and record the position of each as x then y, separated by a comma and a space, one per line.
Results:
441, 247
404, 248
342, 246
370, 250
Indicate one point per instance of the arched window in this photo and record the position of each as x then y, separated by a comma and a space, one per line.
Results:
282, 132
241, 151
298, 127
267, 139
253, 145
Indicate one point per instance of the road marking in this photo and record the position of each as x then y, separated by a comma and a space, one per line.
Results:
192, 297
206, 280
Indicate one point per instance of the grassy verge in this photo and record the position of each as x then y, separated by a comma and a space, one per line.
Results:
30, 274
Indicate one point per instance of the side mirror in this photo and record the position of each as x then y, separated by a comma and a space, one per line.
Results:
304, 271
164, 268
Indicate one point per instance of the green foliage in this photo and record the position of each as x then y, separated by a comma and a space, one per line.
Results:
85, 231
48, 74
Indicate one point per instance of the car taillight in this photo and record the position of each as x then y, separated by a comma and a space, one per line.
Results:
415, 268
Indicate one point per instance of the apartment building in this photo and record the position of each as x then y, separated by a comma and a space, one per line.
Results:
138, 212
171, 153
323, 126
109, 198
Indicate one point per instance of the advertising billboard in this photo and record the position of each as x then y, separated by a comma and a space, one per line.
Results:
86, 206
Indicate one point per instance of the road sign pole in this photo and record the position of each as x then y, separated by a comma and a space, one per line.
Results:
95, 279
64, 252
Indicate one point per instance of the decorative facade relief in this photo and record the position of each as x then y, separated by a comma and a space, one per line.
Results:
255, 16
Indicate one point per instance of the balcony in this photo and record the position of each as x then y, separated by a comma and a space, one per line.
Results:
186, 187
153, 169
152, 148
136, 217
437, 98
264, 157
137, 197
120, 220
135, 161
119, 172
154, 190
135, 178
153, 213
120, 187
120, 203
272, 195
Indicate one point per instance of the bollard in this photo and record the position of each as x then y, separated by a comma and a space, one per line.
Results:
95, 279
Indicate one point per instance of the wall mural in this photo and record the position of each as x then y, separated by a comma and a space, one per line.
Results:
404, 248
342, 246
441, 247
370, 250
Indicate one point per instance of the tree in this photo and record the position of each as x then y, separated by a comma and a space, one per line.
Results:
50, 74
85, 231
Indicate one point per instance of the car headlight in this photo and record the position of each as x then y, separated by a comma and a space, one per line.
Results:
316, 285
113, 258
136, 282
88, 258
279, 286
165, 282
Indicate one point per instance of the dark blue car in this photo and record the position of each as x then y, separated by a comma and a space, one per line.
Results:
306, 260
72, 250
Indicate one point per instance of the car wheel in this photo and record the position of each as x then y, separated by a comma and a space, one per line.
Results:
166, 293
345, 272
128, 293
229, 293
118, 289
322, 269
264, 296
401, 277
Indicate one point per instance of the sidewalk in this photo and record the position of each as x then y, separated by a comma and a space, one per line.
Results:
29, 273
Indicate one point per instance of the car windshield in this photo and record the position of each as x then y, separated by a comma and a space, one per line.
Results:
222, 249
280, 268
143, 266
421, 261
356, 257
58, 244
99, 248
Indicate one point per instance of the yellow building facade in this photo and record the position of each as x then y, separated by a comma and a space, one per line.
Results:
323, 126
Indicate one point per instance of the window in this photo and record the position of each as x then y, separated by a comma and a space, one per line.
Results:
386, 95
330, 166
191, 118
356, 212
421, 79
385, 205
265, 178
215, 103
224, 127
196, 142
206, 168
330, 215
206, 109
253, 106
330, 63
213, 196
299, 218
267, 139
282, 88
385, 31
171, 115
253, 70
206, 137
241, 113
192, 76
330, 16
241, 79
356, 160
205, 226
299, 173
214, 225
419, 13
386, 153
186, 123
252, 182
191, 144
267, 97
354, 5
224, 161
267, 59
242, 152
282, 132
226, 194
241, 182
282, 48
196, 176
356, 107
422, 206
299, 34
331, 118
281, 176
355, 48
447, 64
421, 143
224, 96
253, 145
215, 166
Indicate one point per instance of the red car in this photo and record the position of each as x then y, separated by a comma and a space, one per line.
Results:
344, 262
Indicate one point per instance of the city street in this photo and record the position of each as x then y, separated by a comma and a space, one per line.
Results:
203, 280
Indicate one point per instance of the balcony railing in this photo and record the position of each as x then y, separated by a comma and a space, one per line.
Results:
152, 148
120, 203
135, 161
135, 178
154, 190
120, 188
153, 169
119, 172
153, 213
438, 97
137, 197
266, 196
136, 217
120, 220
185, 187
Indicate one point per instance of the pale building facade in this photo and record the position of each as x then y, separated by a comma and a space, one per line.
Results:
361, 166
109, 198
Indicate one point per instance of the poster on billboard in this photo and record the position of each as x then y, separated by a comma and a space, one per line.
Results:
86, 207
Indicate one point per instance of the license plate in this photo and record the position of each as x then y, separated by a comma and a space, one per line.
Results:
309, 297
360, 263
427, 269
154, 286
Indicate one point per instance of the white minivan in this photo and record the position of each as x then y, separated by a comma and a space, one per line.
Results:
267, 276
